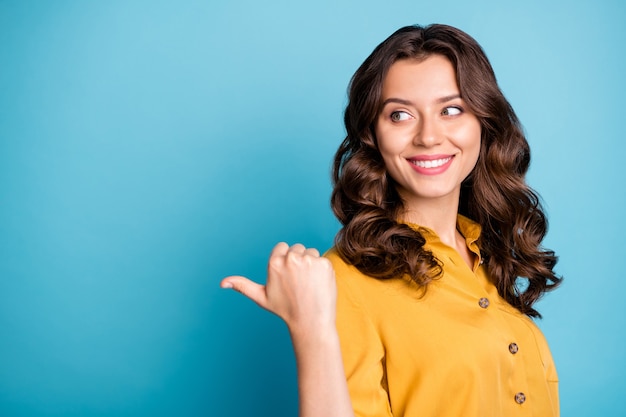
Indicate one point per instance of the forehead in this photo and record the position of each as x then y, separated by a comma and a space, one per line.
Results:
431, 76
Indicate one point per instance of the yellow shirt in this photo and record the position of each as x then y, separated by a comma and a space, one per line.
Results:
460, 350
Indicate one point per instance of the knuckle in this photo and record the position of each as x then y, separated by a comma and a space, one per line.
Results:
275, 261
293, 258
312, 252
326, 263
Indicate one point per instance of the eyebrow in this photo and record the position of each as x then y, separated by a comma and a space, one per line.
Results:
402, 101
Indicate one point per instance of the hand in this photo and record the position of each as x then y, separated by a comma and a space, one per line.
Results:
300, 287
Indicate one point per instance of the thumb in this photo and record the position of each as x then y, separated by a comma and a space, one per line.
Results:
249, 288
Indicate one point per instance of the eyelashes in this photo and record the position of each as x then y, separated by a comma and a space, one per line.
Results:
452, 111
401, 115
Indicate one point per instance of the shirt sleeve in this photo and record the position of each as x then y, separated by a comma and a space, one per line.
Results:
548, 364
362, 350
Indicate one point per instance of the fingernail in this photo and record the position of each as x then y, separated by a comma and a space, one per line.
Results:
226, 285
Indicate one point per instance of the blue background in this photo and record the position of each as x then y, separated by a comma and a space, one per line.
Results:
148, 149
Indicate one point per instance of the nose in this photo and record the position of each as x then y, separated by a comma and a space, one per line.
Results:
428, 133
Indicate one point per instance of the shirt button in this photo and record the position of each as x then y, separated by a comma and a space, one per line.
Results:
513, 348
520, 398
483, 302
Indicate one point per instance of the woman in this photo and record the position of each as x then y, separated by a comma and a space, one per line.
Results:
429, 315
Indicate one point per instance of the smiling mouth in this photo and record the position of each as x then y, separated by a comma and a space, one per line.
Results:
435, 163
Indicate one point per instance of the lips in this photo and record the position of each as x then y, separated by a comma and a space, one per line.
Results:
430, 163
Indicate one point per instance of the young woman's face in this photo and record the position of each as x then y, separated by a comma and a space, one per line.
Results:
428, 137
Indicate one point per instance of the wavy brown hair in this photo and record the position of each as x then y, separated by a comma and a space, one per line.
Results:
495, 194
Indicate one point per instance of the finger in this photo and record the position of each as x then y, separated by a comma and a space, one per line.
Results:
252, 290
281, 248
312, 252
297, 248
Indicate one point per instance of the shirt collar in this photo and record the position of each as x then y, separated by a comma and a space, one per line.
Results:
468, 228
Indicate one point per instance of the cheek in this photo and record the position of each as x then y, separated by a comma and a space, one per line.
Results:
388, 149
472, 146
470, 137
391, 142
383, 142
390, 153
473, 141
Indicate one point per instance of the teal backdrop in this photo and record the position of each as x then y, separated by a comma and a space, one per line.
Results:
150, 148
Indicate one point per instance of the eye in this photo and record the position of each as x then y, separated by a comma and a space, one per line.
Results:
399, 116
451, 111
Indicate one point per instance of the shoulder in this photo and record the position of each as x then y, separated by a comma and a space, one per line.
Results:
348, 274
342, 268
360, 288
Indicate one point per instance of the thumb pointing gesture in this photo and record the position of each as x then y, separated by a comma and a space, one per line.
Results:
300, 286
249, 288
252, 290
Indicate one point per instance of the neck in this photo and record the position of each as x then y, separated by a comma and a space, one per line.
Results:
439, 216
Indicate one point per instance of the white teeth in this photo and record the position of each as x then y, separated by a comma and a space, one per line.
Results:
431, 164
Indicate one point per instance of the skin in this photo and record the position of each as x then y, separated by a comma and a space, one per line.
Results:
423, 115
424, 120
301, 290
